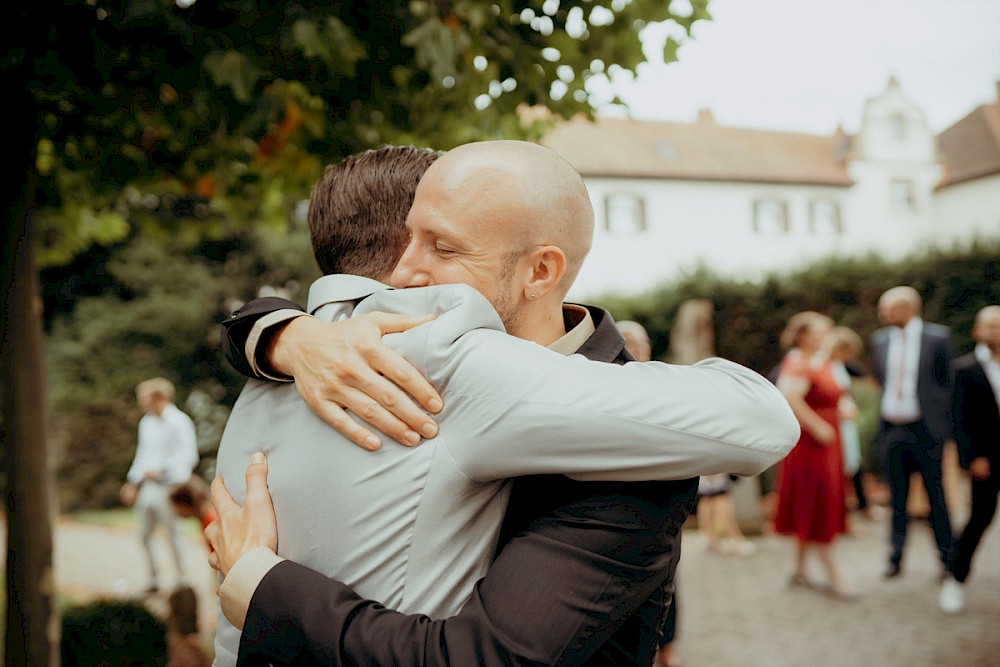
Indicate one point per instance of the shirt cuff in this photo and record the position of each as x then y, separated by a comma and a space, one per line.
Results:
241, 583
260, 328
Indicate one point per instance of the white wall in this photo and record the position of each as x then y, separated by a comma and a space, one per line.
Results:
692, 222
969, 210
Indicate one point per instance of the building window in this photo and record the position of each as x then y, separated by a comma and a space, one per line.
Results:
902, 195
824, 217
625, 214
770, 217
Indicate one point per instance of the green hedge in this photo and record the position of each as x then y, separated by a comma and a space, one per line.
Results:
749, 316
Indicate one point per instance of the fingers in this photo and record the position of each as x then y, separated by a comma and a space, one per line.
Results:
212, 536
221, 498
397, 322
377, 402
402, 420
257, 493
337, 417
402, 380
399, 370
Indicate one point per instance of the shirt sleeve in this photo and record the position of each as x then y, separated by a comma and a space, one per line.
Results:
240, 584
184, 455
516, 408
539, 412
139, 465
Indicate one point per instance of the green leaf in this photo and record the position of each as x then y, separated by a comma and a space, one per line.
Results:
234, 70
108, 227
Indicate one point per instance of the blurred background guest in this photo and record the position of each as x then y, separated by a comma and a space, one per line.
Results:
911, 359
166, 454
841, 347
717, 516
977, 431
811, 478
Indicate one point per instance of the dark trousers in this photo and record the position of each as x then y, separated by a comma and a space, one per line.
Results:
984, 506
907, 449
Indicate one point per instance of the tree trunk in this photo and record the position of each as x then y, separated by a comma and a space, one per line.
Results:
32, 625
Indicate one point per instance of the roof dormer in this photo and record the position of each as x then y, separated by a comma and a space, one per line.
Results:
894, 129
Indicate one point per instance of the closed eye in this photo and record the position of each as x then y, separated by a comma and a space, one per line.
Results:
445, 251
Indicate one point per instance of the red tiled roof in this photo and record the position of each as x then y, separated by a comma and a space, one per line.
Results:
971, 147
698, 151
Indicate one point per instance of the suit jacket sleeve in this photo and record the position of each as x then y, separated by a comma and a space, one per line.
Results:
556, 595
976, 415
236, 330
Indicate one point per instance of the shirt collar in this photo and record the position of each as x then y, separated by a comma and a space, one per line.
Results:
983, 355
341, 287
914, 326
579, 327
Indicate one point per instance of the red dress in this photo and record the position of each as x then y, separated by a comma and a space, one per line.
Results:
810, 479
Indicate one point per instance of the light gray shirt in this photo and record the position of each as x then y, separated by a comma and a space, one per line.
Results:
415, 528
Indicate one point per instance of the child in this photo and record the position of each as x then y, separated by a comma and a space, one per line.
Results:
190, 499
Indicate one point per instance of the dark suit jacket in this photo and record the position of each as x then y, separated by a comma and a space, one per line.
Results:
933, 376
977, 417
583, 576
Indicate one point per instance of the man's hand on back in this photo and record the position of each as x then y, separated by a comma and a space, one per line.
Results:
340, 366
239, 530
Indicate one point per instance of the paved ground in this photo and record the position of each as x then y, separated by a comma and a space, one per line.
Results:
733, 611
741, 611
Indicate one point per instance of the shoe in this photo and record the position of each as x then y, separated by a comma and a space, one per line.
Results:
952, 597
799, 581
894, 570
153, 588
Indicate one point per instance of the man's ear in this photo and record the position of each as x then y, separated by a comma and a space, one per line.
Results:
546, 267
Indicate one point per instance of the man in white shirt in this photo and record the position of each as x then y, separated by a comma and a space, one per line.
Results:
911, 359
166, 453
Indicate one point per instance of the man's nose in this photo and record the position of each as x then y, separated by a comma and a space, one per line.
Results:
408, 272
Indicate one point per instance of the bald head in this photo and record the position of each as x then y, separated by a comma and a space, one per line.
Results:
510, 218
527, 192
899, 305
986, 329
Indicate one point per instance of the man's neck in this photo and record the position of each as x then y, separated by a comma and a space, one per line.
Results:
542, 326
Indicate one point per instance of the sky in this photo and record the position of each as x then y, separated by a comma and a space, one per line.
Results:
810, 65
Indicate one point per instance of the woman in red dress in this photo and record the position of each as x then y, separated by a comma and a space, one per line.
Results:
810, 478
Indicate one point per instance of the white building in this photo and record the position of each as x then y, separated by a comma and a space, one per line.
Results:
671, 196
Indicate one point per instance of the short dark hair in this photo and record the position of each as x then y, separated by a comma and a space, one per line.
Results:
358, 209
192, 493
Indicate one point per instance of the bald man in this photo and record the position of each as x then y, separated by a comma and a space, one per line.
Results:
572, 547
911, 359
977, 425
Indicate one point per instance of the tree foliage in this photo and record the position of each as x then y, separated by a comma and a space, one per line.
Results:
186, 118
159, 316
